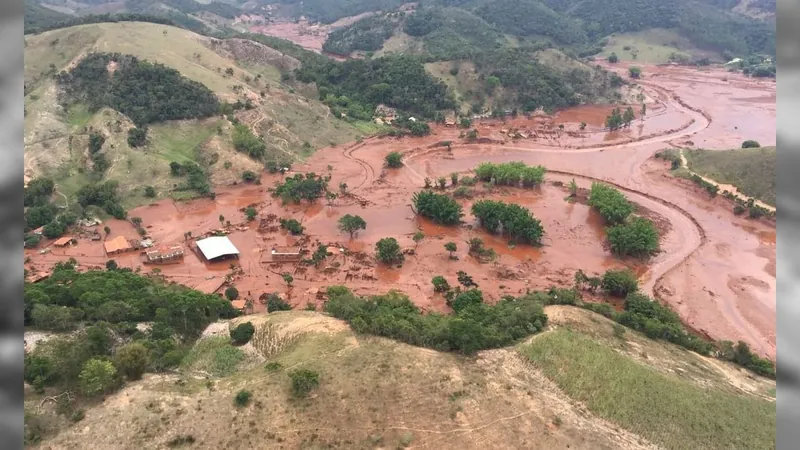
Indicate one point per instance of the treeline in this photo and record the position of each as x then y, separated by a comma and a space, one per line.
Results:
532, 18
509, 219
366, 35
40, 26
225, 10
514, 174
38, 17
107, 306
475, 326
398, 81
326, 11
143, 91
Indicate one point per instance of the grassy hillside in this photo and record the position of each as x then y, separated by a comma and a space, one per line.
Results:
55, 139
412, 397
750, 170
38, 16
654, 46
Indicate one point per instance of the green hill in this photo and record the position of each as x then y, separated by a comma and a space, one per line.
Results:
750, 170
236, 71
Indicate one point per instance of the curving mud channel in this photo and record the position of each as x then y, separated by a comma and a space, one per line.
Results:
717, 270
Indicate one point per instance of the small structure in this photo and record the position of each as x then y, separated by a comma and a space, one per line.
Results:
386, 113
168, 255
216, 248
146, 243
118, 245
450, 120
239, 305
65, 241
38, 231
286, 254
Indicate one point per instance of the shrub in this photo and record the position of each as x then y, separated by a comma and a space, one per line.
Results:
250, 213
619, 283
137, 137
452, 248
638, 237
32, 240
635, 72
466, 299
738, 209
303, 382
248, 176
132, 360
293, 226
54, 229
465, 280
454, 178
242, 333
231, 293
440, 284
468, 181
242, 398
394, 160
387, 250
149, 191
462, 192
750, 144
613, 58
610, 203
512, 220
438, 208
98, 376
308, 187
275, 303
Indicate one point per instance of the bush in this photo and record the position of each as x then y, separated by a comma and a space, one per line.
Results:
303, 382
610, 203
750, 144
613, 58
738, 209
249, 176
351, 224
619, 283
293, 226
308, 187
32, 240
440, 284
439, 208
638, 237
462, 192
132, 360
137, 137
275, 303
512, 220
54, 229
242, 398
635, 72
242, 333
98, 376
466, 299
387, 250
250, 213
394, 160
149, 191
231, 293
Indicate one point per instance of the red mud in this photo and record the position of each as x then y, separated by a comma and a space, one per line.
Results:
717, 270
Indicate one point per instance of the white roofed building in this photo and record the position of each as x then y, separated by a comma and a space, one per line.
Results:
217, 248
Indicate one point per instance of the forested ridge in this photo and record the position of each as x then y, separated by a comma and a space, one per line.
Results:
145, 92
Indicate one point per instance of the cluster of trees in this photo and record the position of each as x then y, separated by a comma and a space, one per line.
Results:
300, 187
399, 81
509, 219
366, 35
388, 251
618, 119
99, 161
197, 177
610, 203
39, 19
452, 33
394, 160
292, 226
145, 92
137, 136
474, 327
439, 208
326, 11
110, 347
532, 18
104, 195
511, 174
39, 212
246, 142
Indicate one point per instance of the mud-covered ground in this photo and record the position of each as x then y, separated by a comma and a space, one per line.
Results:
717, 270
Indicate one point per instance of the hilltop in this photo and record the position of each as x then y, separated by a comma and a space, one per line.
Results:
237, 71
562, 388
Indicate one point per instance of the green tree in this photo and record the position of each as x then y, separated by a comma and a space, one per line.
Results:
619, 283
452, 248
417, 238
343, 188
638, 237
132, 360
98, 376
465, 280
250, 213
635, 72
275, 303
248, 176
454, 178
303, 382
750, 144
492, 83
242, 333
54, 230
351, 224
613, 58
628, 116
32, 240
242, 398
394, 160
137, 137
615, 120
510, 219
388, 251
111, 265
287, 278
466, 299
107, 230
232, 293
149, 191
440, 284
293, 226
610, 203
55, 317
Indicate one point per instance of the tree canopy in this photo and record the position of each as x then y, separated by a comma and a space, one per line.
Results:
509, 219
438, 208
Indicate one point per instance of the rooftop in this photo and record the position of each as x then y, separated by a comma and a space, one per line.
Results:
119, 243
216, 246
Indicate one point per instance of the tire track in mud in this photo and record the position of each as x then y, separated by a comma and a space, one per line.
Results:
369, 171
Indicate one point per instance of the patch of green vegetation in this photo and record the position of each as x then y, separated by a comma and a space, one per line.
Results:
750, 170
215, 355
653, 46
646, 402
179, 141
78, 115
